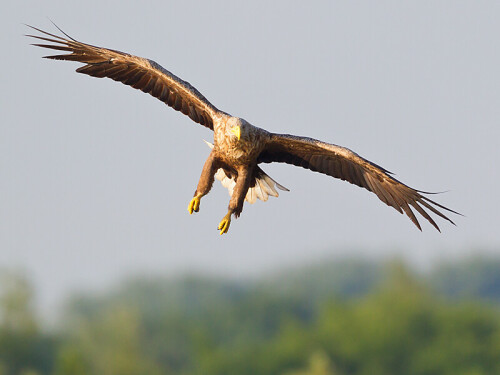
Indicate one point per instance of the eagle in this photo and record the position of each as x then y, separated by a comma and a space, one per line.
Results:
239, 147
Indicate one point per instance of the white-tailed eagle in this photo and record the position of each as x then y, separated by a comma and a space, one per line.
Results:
240, 147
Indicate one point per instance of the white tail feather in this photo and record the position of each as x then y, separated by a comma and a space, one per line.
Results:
264, 185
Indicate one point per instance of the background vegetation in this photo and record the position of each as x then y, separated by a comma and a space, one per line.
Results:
349, 317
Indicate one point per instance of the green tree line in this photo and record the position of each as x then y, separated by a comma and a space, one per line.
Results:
349, 317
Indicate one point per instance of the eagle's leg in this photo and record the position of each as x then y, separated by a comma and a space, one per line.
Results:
237, 199
205, 183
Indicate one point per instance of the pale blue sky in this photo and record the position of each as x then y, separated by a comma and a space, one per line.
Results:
96, 177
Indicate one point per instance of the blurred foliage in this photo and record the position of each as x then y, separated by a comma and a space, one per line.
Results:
23, 348
319, 364
335, 319
475, 278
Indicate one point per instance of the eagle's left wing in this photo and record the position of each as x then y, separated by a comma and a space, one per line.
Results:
342, 163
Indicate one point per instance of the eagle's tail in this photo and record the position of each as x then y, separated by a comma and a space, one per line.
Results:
263, 186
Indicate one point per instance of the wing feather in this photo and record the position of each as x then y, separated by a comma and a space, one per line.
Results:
344, 164
140, 73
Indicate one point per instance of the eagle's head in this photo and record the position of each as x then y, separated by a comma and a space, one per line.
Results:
238, 129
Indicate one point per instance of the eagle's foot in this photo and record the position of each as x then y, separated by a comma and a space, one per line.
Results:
224, 224
194, 205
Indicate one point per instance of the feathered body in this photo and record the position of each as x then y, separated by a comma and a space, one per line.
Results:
240, 147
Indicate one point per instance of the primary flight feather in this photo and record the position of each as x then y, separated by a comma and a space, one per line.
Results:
240, 147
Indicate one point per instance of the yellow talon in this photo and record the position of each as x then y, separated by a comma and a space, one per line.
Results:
194, 205
224, 224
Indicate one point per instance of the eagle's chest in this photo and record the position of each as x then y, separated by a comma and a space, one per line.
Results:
236, 152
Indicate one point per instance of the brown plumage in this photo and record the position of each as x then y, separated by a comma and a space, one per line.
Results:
239, 146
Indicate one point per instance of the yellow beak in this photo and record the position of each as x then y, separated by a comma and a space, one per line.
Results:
236, 131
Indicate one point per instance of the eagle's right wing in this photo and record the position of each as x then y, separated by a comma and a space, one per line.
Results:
138, 72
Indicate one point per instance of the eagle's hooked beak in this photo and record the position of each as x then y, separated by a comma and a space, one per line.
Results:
236, 130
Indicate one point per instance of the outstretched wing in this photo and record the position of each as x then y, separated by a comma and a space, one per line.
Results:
138, 72
342, 163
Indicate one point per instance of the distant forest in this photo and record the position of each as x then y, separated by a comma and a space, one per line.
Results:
340, 317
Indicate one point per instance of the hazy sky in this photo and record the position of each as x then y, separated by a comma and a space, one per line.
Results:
95, 177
